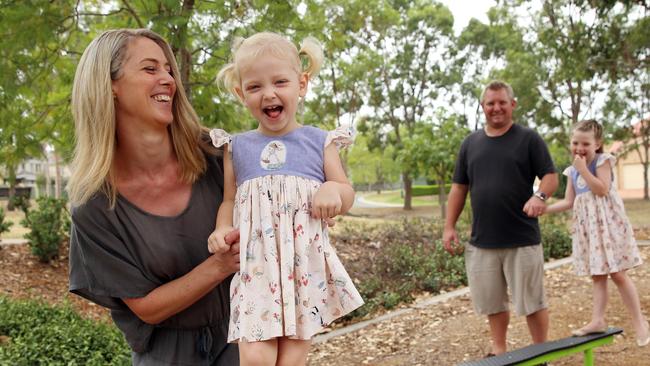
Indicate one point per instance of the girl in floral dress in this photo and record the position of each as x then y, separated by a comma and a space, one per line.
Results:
283, 183
603, 240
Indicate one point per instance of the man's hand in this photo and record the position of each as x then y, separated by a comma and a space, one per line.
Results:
534, 207
450, 241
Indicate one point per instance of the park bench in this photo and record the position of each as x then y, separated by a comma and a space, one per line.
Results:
545, 352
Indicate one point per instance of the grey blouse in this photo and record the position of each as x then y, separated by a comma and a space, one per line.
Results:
127, 252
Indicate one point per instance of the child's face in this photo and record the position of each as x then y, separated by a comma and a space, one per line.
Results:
271, 89
584, 143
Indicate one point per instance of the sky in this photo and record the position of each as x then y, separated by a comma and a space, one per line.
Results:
464, 10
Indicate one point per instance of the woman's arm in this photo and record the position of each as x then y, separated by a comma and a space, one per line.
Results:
336, 195
175, 296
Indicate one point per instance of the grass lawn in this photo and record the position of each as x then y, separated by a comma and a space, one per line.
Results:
638, 211
394, 197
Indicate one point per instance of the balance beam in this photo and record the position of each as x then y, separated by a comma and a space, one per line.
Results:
539, 353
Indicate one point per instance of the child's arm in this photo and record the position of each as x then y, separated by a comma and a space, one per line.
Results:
217, 240
566, 203
598, 184
336, 195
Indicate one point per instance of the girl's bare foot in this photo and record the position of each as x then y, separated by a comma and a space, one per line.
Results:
593, 327
643, 338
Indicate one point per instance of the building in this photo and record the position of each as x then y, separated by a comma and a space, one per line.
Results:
629, 166
45, 176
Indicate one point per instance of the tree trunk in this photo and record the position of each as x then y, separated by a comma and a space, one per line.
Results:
408, 183
442, 198
645, 174
11, 172
57, 177
183, 47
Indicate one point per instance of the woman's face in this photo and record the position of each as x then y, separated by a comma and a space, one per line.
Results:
145, 90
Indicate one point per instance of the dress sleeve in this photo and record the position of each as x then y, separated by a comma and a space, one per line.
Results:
103, 269
602, 158
220, 137
342, 137
568, 171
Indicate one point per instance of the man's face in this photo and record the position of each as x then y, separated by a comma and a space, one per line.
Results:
498, 108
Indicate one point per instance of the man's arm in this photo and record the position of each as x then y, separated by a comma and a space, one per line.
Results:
535, 206
455, 205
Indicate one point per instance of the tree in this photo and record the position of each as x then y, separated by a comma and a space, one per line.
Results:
28, 60
629, 98
432, 151
371, 168
408, 72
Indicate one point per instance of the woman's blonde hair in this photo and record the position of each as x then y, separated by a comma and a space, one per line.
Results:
93, 110
267, 43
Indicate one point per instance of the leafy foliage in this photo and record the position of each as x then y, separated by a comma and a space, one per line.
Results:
40, 334
405, 258
47, 225
555, 236
4, 225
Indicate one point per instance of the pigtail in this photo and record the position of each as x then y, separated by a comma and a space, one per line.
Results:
228, 76
312, 50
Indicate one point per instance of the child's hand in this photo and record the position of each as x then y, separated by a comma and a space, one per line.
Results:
327, 201
580, 164
221, 239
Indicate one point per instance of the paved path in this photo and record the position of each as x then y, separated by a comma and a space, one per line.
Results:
361, 202
12, 241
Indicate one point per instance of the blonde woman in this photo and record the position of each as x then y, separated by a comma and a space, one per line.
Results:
145, 189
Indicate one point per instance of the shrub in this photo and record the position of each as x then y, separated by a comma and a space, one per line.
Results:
47, 225
4, 225
401, 259
428, 190
40, 334
408, 259
555, 236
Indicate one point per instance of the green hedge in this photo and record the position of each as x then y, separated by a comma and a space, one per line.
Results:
35, 333
428, 190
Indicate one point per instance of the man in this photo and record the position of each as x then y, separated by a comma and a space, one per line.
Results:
498, 166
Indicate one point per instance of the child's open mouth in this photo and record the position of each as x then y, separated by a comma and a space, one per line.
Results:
273, 111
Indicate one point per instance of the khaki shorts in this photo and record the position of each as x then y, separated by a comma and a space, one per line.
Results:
491, 272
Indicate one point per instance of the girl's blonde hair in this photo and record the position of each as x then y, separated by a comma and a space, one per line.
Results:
591, 125
267, 43
93, 110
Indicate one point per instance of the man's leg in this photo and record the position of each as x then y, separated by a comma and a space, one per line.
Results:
498, 329
538, 325
489, 291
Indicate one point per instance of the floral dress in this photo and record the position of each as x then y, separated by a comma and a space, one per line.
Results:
291, 282
603, 239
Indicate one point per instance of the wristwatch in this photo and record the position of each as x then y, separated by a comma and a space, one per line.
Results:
541, 195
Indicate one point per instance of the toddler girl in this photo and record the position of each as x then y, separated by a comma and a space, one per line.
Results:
282, 181
603, 240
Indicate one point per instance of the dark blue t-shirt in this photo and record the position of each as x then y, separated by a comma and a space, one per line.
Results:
500, 172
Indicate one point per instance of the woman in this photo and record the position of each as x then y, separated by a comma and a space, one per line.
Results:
145, 190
